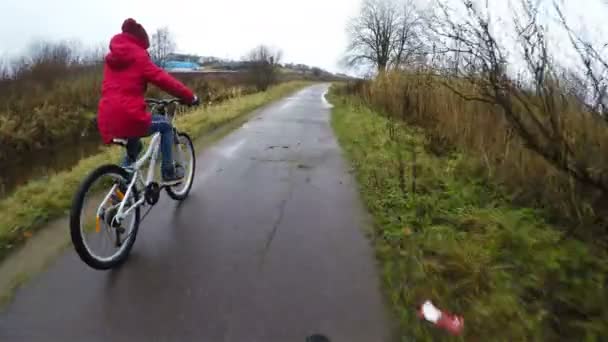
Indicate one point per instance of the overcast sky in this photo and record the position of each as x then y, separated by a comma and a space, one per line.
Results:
308, 31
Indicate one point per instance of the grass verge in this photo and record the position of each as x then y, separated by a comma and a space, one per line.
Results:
32, 206
444, 233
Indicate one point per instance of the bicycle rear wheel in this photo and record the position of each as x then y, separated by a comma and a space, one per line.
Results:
99, 241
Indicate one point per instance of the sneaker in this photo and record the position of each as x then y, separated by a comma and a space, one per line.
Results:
173, 175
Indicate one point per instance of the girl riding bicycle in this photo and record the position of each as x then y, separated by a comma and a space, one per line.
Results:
122, 113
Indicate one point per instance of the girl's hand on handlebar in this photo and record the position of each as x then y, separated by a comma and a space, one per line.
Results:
195, 102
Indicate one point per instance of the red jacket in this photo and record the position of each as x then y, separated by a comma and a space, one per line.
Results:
127, 71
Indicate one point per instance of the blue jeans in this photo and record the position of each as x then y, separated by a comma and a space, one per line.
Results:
159, 125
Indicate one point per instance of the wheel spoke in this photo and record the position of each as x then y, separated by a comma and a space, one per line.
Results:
108, 232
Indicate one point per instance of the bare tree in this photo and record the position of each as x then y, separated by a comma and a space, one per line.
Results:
373, 34
5, 68
263, 66
593, 88
46, 61
409, 44
94, 55
162, 44
43, 52
534, 106
384, 34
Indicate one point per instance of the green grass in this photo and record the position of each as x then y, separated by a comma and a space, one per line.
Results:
458, 241
33, 205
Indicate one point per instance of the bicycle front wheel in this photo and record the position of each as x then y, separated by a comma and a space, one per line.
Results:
100, 240
186, 157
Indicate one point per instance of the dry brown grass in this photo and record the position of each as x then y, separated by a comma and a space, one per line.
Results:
50, 109
481, 130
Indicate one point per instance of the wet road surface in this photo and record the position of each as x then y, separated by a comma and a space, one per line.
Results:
269, 246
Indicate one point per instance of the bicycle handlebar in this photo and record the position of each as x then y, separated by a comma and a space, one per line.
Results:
163, 102
152, 101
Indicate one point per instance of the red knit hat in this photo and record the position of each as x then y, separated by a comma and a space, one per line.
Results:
132, 27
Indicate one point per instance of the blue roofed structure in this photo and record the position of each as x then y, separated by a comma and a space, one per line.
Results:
181, 66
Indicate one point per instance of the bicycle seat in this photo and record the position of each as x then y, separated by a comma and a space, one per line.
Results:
120, 142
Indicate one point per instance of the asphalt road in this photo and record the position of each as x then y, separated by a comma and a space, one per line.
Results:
270, 246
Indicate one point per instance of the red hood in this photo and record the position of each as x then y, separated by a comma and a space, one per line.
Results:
124, 48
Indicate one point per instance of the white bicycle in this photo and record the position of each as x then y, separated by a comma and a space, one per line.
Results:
106, 210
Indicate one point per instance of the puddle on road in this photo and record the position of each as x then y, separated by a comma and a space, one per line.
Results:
272, 147
317, 338
304, 167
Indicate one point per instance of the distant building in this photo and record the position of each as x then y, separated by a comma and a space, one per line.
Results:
181, 57
181, 66
208, 60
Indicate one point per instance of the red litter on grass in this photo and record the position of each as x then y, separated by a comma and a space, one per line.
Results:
442, 319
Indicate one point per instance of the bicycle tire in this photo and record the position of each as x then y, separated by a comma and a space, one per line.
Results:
182, 195
75, 220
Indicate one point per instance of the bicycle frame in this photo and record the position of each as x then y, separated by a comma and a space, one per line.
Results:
152, 155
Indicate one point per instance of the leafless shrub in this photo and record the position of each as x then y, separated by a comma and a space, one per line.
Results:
264, 63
